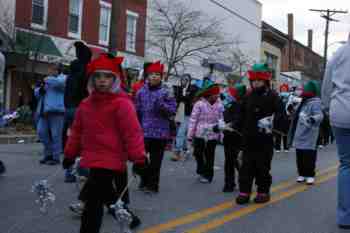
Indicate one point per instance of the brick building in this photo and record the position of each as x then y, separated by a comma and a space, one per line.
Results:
296, 60
45, 30
298, 57
271, 51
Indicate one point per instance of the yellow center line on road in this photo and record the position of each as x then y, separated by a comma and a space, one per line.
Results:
252, 208
200, 214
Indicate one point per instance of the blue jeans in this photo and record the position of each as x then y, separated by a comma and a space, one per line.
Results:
50, 133
181, 136
342, 137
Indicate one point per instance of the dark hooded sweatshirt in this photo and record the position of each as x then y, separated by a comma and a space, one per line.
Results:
76, 82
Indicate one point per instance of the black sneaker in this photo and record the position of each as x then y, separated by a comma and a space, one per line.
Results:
243, 199
135, 221
346, 227
2, 168
45, 160
53, 162
70, 179
228, 188
262, 198
149, 190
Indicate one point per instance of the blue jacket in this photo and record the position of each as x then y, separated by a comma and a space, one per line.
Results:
53, 100
304, 134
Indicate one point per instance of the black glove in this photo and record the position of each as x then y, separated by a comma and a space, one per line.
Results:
42, 91
2, 168
222, 97
164, 113
67, 163
216, 129
311, 120
139, 169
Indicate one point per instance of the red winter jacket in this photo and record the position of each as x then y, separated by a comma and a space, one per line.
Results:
106, 133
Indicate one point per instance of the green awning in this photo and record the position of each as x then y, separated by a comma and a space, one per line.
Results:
29, 42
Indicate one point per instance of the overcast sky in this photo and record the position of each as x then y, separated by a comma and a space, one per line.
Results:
275, 13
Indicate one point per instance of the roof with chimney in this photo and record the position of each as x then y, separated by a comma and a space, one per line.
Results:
269, 31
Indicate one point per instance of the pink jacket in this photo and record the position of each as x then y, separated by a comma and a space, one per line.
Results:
203, 118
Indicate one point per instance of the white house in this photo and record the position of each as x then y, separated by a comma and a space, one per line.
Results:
240, 19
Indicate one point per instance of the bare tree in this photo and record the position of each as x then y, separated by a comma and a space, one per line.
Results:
239, 61
7, 24
178, 33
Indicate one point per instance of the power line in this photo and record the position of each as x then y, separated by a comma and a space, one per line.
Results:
236, 14
245, 19
328, 17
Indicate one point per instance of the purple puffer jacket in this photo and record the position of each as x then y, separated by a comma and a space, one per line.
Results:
155, 107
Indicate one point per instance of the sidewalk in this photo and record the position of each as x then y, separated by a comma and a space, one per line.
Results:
18, 138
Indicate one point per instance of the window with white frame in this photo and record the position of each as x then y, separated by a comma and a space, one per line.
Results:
105, 22
75, 18
39, 14
131, 29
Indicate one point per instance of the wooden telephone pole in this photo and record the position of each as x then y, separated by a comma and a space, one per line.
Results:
327, 15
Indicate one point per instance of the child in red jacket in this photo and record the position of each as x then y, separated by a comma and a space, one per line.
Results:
104, 140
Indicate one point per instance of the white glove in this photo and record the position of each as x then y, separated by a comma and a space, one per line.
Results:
265, 125
304, 118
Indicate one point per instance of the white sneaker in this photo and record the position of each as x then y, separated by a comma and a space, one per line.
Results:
300, 179
286, 151
77, 208
278, 151
204, 180
310, 180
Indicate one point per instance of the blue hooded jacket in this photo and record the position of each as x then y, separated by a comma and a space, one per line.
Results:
53, 100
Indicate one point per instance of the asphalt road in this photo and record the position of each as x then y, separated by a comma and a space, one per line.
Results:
183, 204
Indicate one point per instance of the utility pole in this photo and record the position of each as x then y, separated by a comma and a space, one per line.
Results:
327, 15
114, 25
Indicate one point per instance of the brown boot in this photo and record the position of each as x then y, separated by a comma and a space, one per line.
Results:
176, 157
262, 198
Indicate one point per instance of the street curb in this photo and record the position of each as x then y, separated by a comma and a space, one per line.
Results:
18, 139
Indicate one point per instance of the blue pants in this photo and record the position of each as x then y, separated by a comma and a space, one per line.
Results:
181, 136
50, 133
342, 137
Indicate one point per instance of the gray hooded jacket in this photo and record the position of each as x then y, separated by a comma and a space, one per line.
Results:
336, 88
304, 134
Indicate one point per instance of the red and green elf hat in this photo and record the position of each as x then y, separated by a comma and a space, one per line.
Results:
311, 89
238, 91
209, 89
260, 71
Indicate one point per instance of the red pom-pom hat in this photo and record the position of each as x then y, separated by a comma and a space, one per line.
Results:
156, 67
105, 63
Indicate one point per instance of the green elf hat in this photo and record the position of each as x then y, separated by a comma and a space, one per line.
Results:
260, 71
311, 89
208, 90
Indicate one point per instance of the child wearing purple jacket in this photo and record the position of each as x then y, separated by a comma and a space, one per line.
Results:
155, 108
